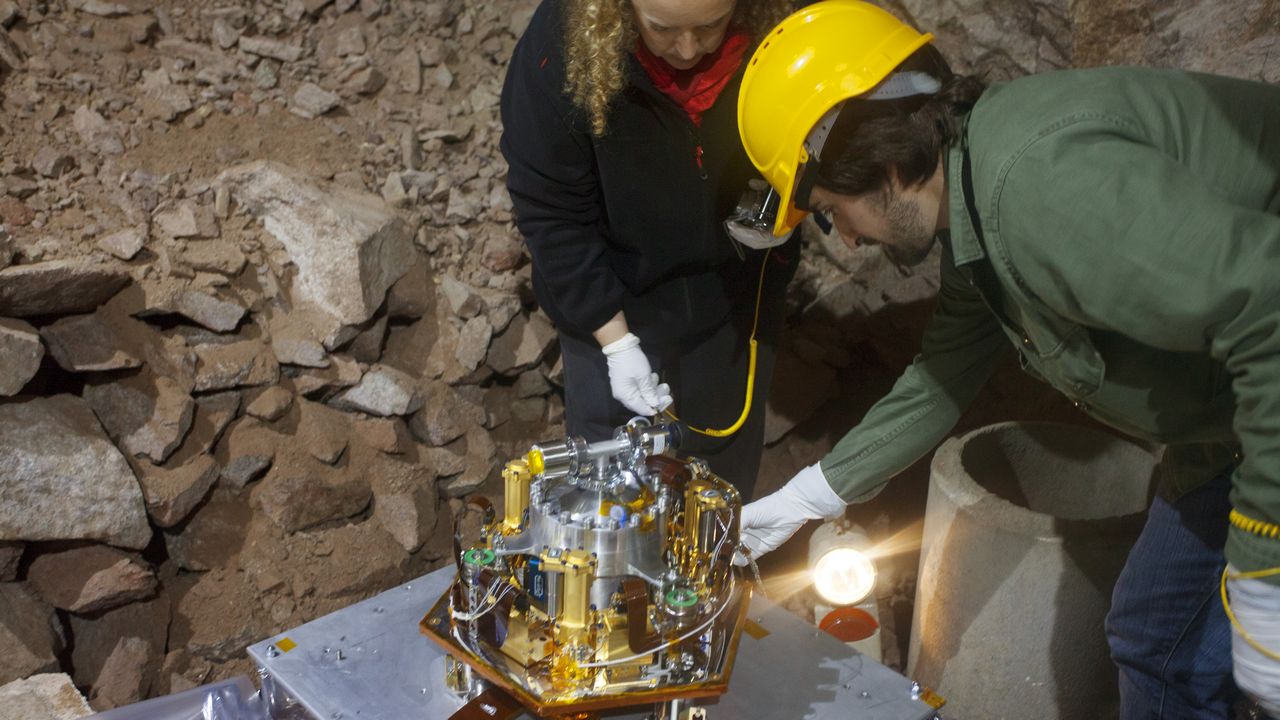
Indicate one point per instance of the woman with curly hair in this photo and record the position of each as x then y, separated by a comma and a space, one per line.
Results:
625, 162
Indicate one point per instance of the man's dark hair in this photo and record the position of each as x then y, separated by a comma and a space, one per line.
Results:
908, 134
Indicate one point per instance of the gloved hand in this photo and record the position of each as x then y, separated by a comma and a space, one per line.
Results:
633, 382
1256, 604
770, 521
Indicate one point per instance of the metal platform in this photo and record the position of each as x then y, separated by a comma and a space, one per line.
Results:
369, 661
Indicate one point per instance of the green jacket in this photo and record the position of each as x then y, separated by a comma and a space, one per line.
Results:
1132, 219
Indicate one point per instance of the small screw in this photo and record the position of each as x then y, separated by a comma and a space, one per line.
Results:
272, 651
915, 691
864, 694
340, 657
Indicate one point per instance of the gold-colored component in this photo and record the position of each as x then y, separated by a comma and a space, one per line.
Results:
579, 569
535, 462
516, 478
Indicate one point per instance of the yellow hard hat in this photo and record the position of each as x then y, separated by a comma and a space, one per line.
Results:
811, 62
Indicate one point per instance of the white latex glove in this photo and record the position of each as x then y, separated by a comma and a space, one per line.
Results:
633, 382
1256, 604
770, 521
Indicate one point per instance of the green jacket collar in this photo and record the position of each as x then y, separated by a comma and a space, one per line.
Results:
965, 247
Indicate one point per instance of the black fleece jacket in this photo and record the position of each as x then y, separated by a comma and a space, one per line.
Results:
632, 220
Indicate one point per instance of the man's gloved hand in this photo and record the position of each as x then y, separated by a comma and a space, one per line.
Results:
770, 521
633, 382
1256, 604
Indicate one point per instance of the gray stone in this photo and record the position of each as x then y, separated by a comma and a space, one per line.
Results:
50, 696
58, 287
473, 343
90, 579
146, 414
65, 480
349, 247
405, 501
461, 298
244, 470
9, 13
10, 557
310, 101
12, 58
87, 343
445, 415
365, 82
216, 257
171, 494
209, 311
393, 191
179, 221
367, 346
299, 351
274, 49
349, 42
214, 412
97, 638
383, 391
99, 135
322, 431
307, 493
413, 295
124, 244
522, 345
29, 634
462, 207
271, 403
245, 453
123, 679
101, 8
238, 364
266, 76
406, 70
20, 355
52, 163
532, 383
224, 34
479, 462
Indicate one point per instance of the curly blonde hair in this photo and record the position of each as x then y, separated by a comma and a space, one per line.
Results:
600, 34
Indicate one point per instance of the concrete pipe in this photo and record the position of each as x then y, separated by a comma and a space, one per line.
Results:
1027, 528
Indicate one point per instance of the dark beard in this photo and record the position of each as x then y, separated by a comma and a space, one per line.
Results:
911, 240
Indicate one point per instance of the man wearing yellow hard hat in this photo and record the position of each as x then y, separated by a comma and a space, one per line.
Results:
1120, 227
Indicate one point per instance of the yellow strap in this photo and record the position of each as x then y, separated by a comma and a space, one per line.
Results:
1226, 605
751, 367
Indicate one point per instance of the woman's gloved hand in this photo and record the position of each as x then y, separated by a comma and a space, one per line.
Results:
633, 382
770, 521
1256, 604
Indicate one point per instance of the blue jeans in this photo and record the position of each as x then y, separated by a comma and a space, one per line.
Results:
1167, 630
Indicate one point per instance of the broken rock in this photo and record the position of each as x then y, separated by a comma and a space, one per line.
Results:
522, 345
246, 452
274, 49
64, 478
305, 493
382, 391
322, 431
243, 363
58, 287
50, 696
171, 494
90, 579
87, 343
146, 414
473, 343
52, 163
124, 244
95, 132
124, 679
212, 312
311, 101
445, 415
20, 355
271, 403
27, 633
349, 246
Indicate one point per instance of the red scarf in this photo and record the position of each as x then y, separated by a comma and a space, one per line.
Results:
696, 89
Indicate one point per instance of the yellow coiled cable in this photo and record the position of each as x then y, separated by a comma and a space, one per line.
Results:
1263, 529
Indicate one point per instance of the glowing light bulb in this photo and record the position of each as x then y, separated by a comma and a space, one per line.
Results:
843, 576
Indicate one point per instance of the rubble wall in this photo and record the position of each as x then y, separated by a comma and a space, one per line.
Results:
264, 315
